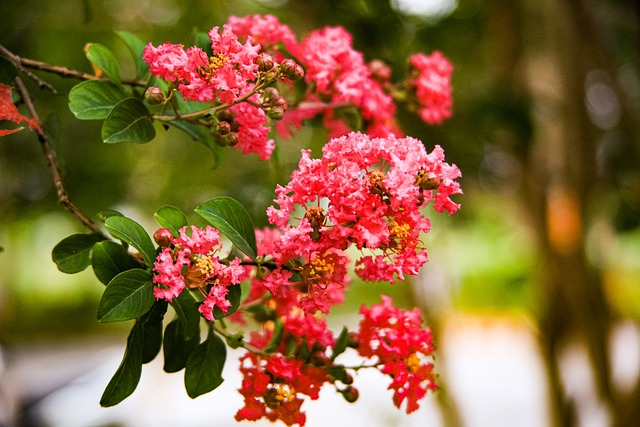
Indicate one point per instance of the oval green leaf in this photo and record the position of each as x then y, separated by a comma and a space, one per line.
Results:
176, 348
172, 218
94, 99
132, 233
152, 330
72, 254
203, 372
136, 46
188, 314
129, 120
128, 296
233, 296
233, 220
127, 376
104, 59
109, 259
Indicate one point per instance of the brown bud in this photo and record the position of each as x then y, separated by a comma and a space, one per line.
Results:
353, 340
223, 128
232, 138
163, 237
276, 113
350, 394
291, 69
265, 62
154, 95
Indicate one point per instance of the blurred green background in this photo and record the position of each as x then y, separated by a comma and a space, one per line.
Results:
546, 130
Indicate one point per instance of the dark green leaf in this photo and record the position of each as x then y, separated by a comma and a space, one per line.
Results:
274, 342
176, 347
188, 315
172, 218
129, 120
136, 46
233, 220
126, 378
94, 99
338, 372
108, 259
152, 330
203, 372
72, 254
104, 59
132, 233
233, 296
341, 343
128, 296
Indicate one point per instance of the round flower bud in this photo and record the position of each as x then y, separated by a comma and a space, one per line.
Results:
291, 69
280, 102
223, 128
154, 95
350, 394
353, 340
232, 138
270, 93
163, 237
276, 113
379, 71
265, 62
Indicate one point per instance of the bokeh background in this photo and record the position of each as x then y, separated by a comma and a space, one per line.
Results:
532, 289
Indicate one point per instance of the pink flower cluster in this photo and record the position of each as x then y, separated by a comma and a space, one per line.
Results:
431, 78
192, 261
395, 338
366, 192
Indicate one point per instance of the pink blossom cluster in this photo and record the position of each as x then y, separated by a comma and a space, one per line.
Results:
431, 78
191, 261
366, 192
395, 339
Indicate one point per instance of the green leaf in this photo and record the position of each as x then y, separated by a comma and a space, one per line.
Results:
129, 295
188, 315
203, 41
72, 254
152, 330
274, 342
129, 120
341, 343
176, 347
94, 99
233, 220
338, 372
104, 59
127, 377
103, 215
108, 259
132, 233
172, 218
233, 296
203, 372
136, 46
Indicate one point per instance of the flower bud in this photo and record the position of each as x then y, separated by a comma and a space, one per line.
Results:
281, 103
270, 93
265, 62
350, 394
291, 69
231, 139
163, 237
225, 115
276, 113
353, 341
223, 128
154, 95
379, 71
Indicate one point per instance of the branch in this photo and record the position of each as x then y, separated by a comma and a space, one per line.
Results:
23, 63
47, 150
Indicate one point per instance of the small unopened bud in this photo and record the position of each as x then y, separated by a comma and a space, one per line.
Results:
353, 340
154, 95
223, 128
281, 102
276, 113
232, 139
291, 69
163, 237
265, 62
350, 394
270, 93
225, 115
348, 379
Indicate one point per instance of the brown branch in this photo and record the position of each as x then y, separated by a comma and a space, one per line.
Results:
47, 150
23, 63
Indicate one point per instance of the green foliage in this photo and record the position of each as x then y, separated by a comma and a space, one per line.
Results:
177, 346
132, 233
188, 315
94, 99
203, 372
105, 60
136, 46
172, 218
108, 259
232, 219
234, 295
341, 343
128, 296
72, 254
128, 121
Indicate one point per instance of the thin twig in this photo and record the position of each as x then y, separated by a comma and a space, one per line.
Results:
47, 150
23, 63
